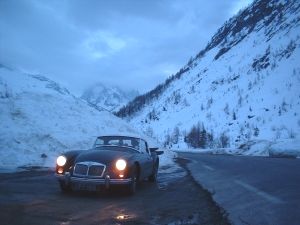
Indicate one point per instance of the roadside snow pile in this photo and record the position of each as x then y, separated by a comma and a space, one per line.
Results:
281, 148
254, 147
285, 148
167, 158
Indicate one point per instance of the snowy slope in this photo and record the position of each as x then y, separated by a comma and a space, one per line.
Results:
244, 85
109, 98
38, 116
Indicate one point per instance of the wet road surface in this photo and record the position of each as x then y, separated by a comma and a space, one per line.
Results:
33, 197
252, 190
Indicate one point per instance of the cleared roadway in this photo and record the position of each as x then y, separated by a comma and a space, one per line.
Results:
33, 197
252, 190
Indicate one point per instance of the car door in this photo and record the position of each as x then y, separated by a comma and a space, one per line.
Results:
146, 159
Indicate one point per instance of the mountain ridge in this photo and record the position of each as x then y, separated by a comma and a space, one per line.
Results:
245, 78
217, 38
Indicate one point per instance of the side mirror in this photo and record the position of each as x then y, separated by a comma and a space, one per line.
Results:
153, 149
160, 152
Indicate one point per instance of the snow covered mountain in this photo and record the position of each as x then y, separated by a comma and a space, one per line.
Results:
243, 87
109, 98
39, 119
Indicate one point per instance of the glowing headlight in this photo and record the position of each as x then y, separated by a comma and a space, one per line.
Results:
61, 160
121, 164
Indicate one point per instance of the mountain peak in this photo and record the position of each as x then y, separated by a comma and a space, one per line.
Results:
107, 97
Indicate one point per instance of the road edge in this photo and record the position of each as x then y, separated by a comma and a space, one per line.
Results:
224, 219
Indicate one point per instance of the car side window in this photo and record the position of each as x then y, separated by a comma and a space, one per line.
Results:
143, 147
98, 142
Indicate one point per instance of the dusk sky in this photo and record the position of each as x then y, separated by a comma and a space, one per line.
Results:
133, 44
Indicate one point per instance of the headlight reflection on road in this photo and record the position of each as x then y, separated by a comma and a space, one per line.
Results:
124, 217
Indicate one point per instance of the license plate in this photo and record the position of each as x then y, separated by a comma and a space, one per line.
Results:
86, 187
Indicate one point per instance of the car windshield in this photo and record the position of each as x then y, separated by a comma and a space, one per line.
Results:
120, 141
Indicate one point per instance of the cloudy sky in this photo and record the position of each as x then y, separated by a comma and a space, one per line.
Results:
131, 43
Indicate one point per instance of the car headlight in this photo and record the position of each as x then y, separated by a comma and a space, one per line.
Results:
121, 164
61, 160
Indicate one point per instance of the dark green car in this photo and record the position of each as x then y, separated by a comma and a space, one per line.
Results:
113, 161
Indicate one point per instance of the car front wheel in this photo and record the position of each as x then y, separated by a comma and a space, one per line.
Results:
132, 185
153, 176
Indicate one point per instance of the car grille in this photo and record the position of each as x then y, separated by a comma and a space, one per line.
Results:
81, 169
96, 170
91, 169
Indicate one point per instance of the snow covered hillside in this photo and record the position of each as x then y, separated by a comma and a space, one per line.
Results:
39, 119
109, 98
243, 87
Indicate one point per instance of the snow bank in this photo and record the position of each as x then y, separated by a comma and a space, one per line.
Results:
281, 148
167, 159
285, 148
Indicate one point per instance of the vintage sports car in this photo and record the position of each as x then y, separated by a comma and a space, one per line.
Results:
113, 160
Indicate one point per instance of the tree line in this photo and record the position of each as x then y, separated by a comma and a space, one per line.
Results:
140, 101
198, 137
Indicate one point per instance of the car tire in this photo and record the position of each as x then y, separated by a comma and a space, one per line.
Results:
133, 184
64, 187
153, 176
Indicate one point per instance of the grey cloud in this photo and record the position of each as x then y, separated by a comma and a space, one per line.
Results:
79, 42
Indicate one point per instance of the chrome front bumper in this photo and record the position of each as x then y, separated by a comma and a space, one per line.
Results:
106, 181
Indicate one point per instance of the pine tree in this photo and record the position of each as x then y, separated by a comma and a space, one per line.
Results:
175, 135
224, 140
202, 138
256, 131
234, 116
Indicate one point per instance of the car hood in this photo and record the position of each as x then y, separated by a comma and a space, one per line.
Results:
102, 156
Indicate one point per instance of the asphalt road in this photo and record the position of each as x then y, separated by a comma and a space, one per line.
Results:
252, 190
33, 197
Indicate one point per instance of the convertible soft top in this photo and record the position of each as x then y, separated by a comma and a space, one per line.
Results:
151, 142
